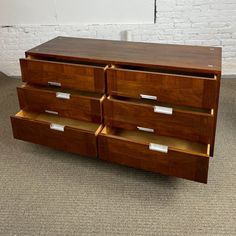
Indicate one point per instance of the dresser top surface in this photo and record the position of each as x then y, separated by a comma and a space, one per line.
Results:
167, 56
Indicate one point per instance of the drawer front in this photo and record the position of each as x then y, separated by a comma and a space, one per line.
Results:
139, 156
172, 89
65, 75
179, 123
70, 140
62, 104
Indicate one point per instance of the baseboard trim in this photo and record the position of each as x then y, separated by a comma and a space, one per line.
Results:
228, 76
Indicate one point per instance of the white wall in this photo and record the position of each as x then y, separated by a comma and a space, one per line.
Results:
196, 22
48, 12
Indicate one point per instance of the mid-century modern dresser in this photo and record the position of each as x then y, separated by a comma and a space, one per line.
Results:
144, 105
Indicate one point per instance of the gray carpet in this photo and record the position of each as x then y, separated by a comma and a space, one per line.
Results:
48, 192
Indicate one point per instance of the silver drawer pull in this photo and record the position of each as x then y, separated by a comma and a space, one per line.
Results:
158, 147
150, 97
63, 95
51, 112
57, 127
145, 129
54, 83
164, 110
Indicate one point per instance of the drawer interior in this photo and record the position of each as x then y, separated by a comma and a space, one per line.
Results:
63, 90
65, 60
82, 125
146, 138
164, 71
156, 103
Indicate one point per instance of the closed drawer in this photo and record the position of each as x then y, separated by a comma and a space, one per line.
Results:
192, 124
193, 91
65, 75
71, 104
60, 133
165, 155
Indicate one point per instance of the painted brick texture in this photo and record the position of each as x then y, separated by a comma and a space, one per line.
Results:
190, 22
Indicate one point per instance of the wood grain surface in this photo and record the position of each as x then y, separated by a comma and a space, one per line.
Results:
174, 89
186, 124
169, 56
40, 99
137, 154
72, 139
71, 76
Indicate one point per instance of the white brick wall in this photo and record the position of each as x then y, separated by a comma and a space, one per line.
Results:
195, 22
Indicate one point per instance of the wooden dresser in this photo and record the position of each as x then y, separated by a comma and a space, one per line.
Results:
144, 105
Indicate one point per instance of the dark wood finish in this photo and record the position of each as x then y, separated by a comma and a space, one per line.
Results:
136, 154
79, 106
186, 78
82, 142
216, 112
71, 76
182, 57
187, 124
173, 89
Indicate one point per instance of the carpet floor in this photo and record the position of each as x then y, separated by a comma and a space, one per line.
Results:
49, 192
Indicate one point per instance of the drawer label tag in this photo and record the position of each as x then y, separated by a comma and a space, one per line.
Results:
51, 112
158, 147
145, 129
150, 97
63, 95
164, 110
57, 127
54, 83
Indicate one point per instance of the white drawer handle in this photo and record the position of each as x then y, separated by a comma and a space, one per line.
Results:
63, 95
150, 97
164, 110
51, 112
158, 147
54, 83
145, 129
57, 127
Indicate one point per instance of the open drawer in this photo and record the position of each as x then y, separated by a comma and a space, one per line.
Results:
162, 119
62, 74
178, 89
65, 103
170, 156
61, 133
